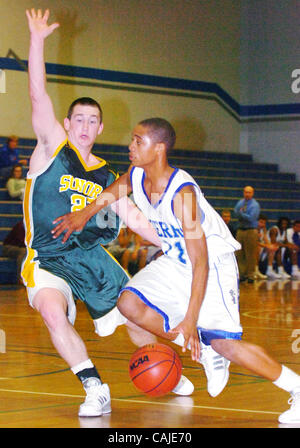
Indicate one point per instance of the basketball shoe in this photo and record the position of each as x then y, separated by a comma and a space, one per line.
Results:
292, 415
184, 387
271, 273
216, 369
97, 400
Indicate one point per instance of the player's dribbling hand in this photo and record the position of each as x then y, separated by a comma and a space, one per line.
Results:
69, 223
191, 338
38, 23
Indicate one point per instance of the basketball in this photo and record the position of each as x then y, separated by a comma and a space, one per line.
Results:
155, 369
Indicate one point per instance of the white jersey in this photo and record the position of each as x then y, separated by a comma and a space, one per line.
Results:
168, 227
281, 235
289, 235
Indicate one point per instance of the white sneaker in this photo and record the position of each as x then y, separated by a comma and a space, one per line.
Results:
259, 275
296, 274
272, 274
292, 415
97, 401
184, 387
216, 368
284, 274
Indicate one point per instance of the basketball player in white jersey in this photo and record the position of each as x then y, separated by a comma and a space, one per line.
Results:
190, 294
51, 272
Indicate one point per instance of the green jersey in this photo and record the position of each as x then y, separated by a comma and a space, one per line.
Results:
67, 184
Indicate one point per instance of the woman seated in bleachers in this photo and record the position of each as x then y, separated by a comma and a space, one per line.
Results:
16, 183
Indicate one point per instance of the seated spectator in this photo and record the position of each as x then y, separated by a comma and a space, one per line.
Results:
266, 251
128, 250
152, 252
16, 183
9, 156
14, 246
278, 235
226, 215
293, 238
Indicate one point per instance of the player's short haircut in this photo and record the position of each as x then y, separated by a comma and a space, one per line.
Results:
85, 101
283, 218
160, 131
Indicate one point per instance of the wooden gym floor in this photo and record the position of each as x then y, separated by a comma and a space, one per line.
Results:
37, 390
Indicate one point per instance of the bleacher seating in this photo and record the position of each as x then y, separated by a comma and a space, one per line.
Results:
221, 177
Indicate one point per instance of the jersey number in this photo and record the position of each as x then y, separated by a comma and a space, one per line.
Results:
79, 201
180, 251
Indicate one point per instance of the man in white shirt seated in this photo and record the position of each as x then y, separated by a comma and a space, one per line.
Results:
293, 238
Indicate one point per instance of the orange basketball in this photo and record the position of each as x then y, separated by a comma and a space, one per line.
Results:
155, 369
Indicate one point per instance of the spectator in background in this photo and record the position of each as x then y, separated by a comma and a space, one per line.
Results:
293, 239
14, 246
226, 215
278, 234
16, 183
247, 211
9, 156
265, 252
129, 251
153, 252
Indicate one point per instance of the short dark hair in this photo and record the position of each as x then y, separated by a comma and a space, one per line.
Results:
85, 101
283, 218
261, 216
226, 210
12, 138
160, 131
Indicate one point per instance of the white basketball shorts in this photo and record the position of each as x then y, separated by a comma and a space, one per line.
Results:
165, 286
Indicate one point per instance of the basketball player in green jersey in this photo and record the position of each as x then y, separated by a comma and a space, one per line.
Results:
64, 176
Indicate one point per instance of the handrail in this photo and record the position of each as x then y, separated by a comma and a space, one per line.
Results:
20, 62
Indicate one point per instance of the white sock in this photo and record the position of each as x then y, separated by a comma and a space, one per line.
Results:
288, 380
295, 268
82, 365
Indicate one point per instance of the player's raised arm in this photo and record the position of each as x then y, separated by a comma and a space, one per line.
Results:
187, 211
48, 130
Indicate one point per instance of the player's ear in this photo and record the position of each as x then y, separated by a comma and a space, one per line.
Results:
67, 124
100, 128
160, 147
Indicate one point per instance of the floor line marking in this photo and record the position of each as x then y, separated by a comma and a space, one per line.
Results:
216, 408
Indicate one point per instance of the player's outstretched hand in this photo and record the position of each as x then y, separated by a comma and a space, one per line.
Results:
191, 338
37, 23
69, 223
